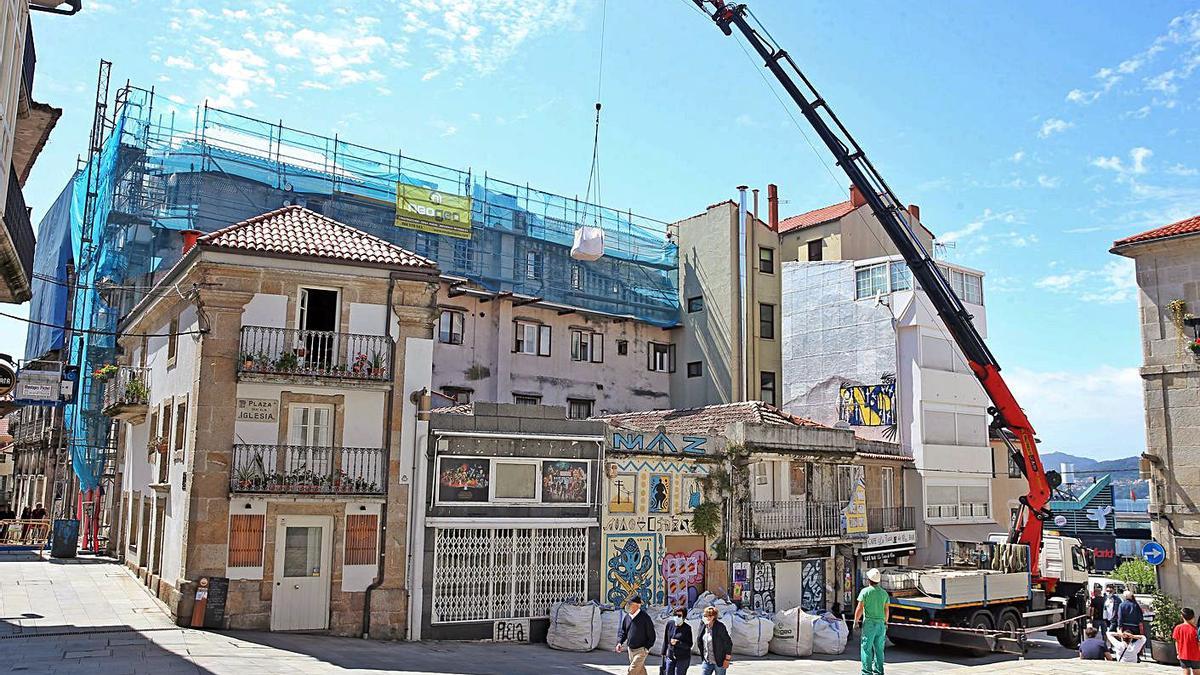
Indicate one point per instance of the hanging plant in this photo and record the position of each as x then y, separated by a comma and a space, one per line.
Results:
706, 519
1177, 310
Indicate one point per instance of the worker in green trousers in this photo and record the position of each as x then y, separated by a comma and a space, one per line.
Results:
872, 612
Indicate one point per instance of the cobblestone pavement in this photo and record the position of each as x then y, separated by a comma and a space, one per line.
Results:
91, 616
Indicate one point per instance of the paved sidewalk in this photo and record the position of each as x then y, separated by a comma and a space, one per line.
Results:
91, 616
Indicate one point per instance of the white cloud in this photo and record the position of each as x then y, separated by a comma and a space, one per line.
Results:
955, 235
180, 62
1082, 230
1139, 156
1137, 164
1181, 170
1017, 157
1093, 413
1113, 283
1054, 126
1179, 45
1048, 181
1081, 96
240, 72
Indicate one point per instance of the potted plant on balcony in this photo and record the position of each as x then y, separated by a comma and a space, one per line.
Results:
359, 365
244, 477
156, 446
376, 364
136, 391
1166, 615
247, 361
106, 372
287, 362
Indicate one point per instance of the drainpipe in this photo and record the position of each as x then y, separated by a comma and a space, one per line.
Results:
750, 262
387, 461
739, 382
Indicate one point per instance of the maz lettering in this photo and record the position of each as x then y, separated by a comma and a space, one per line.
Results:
660, 443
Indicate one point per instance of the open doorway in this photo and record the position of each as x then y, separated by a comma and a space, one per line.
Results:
317, 318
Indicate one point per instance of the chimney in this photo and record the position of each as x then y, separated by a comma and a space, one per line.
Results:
856, 197
189, 239
754, 200
773, 207
915, 212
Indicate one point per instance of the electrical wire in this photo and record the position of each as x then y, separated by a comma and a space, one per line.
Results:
89, 331
594, 171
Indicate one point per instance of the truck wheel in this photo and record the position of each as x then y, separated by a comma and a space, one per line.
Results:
981, 620
1070, 635
1009, 622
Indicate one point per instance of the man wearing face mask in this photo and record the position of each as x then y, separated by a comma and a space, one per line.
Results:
636, 633
716, 648
677, 645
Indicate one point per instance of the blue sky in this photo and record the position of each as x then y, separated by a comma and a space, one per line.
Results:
1031, 134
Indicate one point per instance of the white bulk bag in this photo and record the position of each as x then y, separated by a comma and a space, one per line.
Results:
793, 634
610, 624
752, 633
695, 619
574, 627
660, 616
589, 243
829, 635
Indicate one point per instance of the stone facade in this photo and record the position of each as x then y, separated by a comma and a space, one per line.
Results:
1168, 279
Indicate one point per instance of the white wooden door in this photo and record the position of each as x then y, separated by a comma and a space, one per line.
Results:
300, 599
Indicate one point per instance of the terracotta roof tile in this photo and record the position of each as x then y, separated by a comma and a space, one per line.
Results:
295, 230
1185, 226
816, 217
709, 419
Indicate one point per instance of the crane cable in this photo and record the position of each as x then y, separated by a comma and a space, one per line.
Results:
594, 170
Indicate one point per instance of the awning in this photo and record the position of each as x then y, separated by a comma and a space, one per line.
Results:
964, 532
900, 549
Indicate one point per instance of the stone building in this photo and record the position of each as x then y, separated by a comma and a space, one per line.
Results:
1167, 263
267, 423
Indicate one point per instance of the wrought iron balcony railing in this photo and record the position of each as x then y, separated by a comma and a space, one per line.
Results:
298, 469
891, 519
125, 386
313, 353
791, 520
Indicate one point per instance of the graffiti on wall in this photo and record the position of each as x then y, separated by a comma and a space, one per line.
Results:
660, 494
630, 568
762, 594
683, 577
812, 585
741, 577
661, 443
872, 405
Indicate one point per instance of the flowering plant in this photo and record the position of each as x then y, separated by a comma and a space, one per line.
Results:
105, 372
1195, 347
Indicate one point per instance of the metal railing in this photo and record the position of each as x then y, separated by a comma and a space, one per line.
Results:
891, 519
289, 351
16, 221
128, 386
298, 469
791, 520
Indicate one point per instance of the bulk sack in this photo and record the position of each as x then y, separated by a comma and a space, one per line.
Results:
829, 635
574, 627
793, 635
589, 243
610, 624
752, 633
660, 616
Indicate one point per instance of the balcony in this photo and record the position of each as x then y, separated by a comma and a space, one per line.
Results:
16, 246
126, 392
297, 469
293, 353
791, 520
891, 519
965, 510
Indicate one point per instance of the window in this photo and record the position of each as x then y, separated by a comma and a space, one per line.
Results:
973, 289
886, 487
180, 425
901, 277
951, 428
464, 254
534, 264
459, 394
957, 501
871, 281
814, 251
766, 321
426, 245
172, 340
1014, 469
660, 357
579, 408
847, 479
695, 304
450, 327
514, 481
695, 369
246, 540
587, 346
526, 399
531, 338
766, 386
576, 277
766, 260
622, 347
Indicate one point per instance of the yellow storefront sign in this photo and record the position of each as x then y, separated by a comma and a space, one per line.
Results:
428, 210
854, 516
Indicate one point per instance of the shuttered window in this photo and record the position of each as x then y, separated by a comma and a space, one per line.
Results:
246, 540
361, 540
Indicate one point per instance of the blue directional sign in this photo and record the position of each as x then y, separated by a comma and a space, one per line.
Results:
1154, 553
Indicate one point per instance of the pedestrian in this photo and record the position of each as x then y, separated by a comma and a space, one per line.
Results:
1096, 608
6, 514
1111, 602
1126, 646
25, 516
1129, 615
872, 611
1094, 648
1187, 648
636, 635
677, 645
716, 647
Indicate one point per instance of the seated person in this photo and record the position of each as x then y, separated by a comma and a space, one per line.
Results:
1126, 646
1093, 648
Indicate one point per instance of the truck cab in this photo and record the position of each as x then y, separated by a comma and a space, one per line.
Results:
1063, 558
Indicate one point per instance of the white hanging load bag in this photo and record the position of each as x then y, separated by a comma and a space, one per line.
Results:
793, 633
752, 633
660, 616
574, 627
610, 625
589, 243
829, 635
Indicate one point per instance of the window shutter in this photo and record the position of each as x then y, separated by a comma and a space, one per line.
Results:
517, 327
670, 358
650, 355
576, 336
361, 539
246, 540
597, 348
543, 341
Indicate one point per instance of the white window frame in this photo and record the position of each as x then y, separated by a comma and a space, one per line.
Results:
887, 487
877, 281
535, 265
536, 501
591, 407
537, 481
302, 306
955, 512
537, 344
587, 341
660, 361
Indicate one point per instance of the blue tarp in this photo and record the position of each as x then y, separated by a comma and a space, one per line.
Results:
49, 304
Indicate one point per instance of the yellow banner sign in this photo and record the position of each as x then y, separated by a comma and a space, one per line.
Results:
854, 516
427, 210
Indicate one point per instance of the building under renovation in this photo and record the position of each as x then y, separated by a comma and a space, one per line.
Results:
116, 228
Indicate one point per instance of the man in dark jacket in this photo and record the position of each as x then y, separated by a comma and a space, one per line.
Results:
677, 645
716, 647
1129, 615
636, 634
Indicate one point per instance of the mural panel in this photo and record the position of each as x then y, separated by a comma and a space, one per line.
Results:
622, 493
660, 494
690, 494
564, 482
868, 405
463, 480
630, 568
812, 586
683, 577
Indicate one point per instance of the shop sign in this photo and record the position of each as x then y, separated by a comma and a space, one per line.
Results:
890, 539
854, 516
38, 387
8, 378
258, 410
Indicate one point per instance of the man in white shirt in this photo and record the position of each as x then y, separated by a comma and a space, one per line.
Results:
1126, 646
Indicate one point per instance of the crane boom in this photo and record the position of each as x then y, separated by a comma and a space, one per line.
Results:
889, 210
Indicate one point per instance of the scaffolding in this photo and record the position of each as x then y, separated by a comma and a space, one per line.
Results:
147, 176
